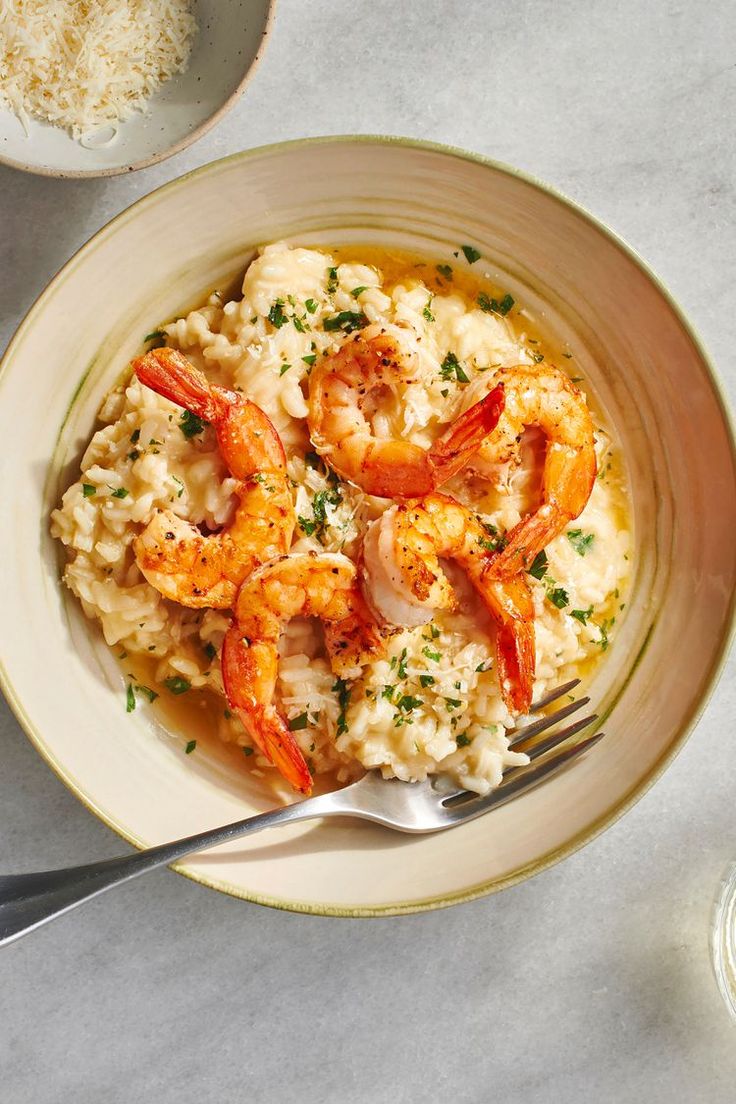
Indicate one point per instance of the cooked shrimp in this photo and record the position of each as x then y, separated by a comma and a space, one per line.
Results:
306, 584
405, 582
190, 567
544, 397
366, 366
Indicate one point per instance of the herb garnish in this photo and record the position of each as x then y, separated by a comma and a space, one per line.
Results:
284, 368
276, 314
129, 698
177, 685
427, 311
582, 615
358, 291
210, 650
88, 489
311, 305
495, 306
471, 253
309, 359
462, 740
157, 337
581, 542
444, 270
340, 687
191, 745
120, 492
191, 424
346, 321
539, 566
298, 723
450, 367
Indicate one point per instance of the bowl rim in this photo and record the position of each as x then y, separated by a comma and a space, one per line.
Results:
710, 679
169, 151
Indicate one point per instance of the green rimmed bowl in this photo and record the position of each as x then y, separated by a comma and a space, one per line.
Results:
634, 348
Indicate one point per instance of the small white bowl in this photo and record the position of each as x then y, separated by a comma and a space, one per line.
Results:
231, 38
638, 356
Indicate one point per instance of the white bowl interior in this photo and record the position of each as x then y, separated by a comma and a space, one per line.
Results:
639, 360
230, 37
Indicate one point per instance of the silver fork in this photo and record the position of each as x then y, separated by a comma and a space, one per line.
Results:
29, 900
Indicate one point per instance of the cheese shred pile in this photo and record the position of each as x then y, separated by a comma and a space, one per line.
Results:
88, 64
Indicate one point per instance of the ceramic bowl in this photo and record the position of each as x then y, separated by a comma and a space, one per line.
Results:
637, 354
232, 36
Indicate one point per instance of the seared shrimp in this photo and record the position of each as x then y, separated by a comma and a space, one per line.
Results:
405, 582
544, 397
306, 584
206, 570
370, 363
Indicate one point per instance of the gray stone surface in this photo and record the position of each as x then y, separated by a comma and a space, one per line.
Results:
592, 981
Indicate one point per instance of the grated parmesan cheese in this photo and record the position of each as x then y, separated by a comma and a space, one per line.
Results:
88, 64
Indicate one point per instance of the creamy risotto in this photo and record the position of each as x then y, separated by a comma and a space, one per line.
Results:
432, 703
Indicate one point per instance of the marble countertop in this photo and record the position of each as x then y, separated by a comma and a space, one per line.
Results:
592, 980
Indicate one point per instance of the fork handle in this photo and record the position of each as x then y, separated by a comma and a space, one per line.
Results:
29, 900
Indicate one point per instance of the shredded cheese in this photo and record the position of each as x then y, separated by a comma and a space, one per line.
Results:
85, 65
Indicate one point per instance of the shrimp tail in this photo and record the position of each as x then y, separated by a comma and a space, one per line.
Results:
170, 374
515, 659
527, 539
266, 727
452, 451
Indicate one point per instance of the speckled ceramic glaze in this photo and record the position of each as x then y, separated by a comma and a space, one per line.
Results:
232, 36
636, 353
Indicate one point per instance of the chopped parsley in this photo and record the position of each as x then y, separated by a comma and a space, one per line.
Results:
299, 324
426, 680
444, 270
315, 525
495, 306
129, 698
157, 338
247, 751
190, 424
276, 314
431, 654
451, 367
135, 436
539, 566
311, 305
331, 280
471, 253
581, 542
557, 595
358, 291
346, 321
537, 357
401, 670
582, 615
88, 489
210, 650
180, 485
296, 724
604, 629
462, 740
120, 492
133, 454
284, 368
309, 359
407, 703
177, 685
340, 687
191, 745
452, 703
427, 312
147, 692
